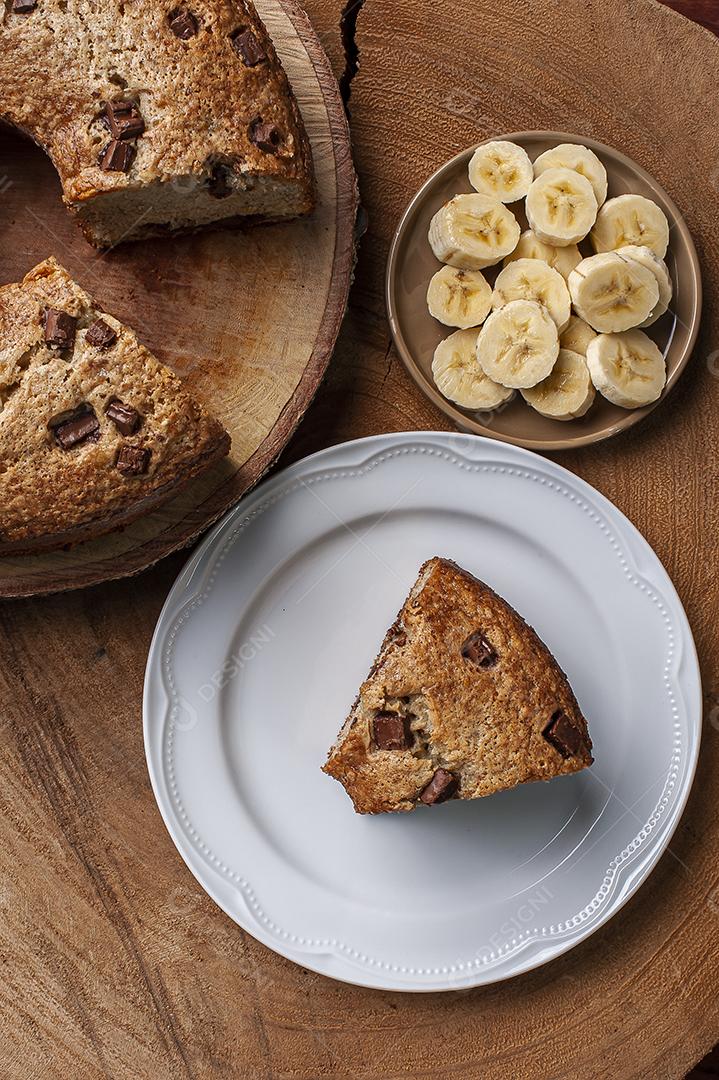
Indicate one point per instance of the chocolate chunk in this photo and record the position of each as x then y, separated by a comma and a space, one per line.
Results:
563, 735
124, 120
183, 24
264, 135
391, 732
248, 47
124, 417
23, 7
133, 460
117, 156
75, 426
100, 335
479, 651
219, 182
441, 787
59, 329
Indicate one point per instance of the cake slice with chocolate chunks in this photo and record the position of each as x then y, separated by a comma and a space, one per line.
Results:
462, 701
94, 431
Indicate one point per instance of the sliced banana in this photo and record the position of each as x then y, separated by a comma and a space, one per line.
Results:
579, 159
577, 336
501, 170
473, 231
566, 393
646, 257
628, 369
459, 297
631, 219
563, 259
518, 344
460, 378
612, 293
561, 207
530, 279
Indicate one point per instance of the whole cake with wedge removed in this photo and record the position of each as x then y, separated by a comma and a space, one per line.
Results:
159, 117
94, 431
463, 700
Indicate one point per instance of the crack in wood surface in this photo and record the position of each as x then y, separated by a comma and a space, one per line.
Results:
348, 33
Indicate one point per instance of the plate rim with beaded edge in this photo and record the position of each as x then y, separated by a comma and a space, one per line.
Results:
280, 849
415, 333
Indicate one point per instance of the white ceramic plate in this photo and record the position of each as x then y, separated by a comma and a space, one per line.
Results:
274, 623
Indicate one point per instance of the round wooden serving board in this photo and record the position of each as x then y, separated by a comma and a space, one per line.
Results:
248, 318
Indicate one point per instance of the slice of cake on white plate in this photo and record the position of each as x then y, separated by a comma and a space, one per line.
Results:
463, 700
158, 117
94, 431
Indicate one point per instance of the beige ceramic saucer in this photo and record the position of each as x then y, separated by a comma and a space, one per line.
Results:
416, 334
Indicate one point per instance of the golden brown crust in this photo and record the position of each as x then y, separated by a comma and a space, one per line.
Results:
484, 725
198, 99
50, 496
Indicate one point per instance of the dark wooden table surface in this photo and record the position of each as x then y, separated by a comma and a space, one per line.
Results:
703, 11
113, 962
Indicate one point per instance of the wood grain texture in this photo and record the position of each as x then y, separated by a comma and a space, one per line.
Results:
243, 316
114, 963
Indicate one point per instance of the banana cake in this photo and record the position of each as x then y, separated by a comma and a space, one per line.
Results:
159, 116
94, 431
462, 701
